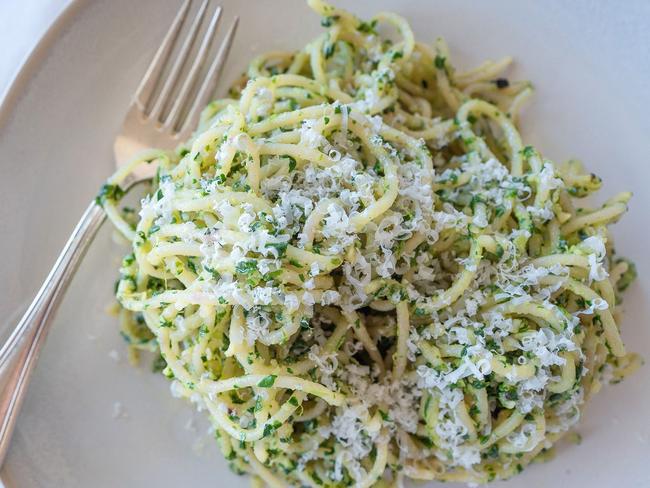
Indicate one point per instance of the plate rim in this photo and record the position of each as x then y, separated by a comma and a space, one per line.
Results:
32, 61
28, 68
25, 71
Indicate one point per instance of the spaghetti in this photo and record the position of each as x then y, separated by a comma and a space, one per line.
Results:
361, 272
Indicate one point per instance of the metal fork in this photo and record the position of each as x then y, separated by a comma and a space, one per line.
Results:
163, 113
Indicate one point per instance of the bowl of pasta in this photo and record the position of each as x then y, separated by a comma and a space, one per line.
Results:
396, 249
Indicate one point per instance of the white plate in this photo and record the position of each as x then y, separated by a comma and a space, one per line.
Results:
591, 66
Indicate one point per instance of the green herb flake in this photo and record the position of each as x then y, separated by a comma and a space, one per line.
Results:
109, 193
268, 381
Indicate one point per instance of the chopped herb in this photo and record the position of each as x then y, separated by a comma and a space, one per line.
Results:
292, 162
246, 266
280, 247
368, 27
158, 364
329, 21
268, 381
328, 50
215, 274
109, 192
528, 151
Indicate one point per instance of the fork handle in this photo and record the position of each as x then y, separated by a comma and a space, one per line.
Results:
18, 355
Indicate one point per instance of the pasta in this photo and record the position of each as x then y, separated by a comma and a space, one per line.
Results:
362, 273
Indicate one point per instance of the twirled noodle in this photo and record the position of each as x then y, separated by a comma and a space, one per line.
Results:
362, 273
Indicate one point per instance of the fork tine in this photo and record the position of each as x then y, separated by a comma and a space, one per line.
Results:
172, 77
190, 80
210, 82
143, 93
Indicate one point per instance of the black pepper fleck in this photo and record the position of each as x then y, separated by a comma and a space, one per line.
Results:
502, 83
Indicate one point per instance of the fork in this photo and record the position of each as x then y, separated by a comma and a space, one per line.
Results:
162, 114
